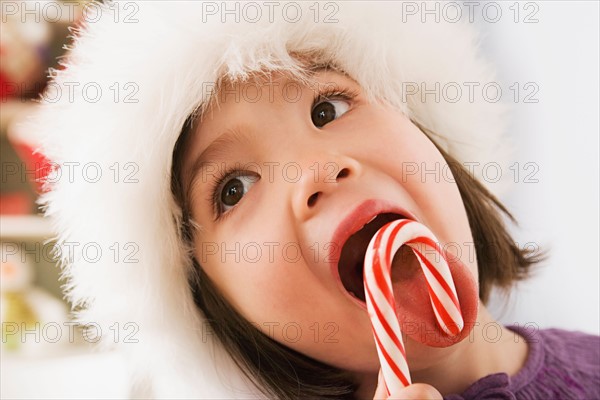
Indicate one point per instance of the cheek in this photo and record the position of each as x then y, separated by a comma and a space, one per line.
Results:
414, 162
243, 270
287, 303
255, 261
442, 207
280, 295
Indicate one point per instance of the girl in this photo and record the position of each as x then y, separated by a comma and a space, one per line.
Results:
244, 154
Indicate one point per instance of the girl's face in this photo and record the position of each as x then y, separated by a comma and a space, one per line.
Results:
282, 175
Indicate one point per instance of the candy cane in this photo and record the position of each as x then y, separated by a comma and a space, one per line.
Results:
381, 304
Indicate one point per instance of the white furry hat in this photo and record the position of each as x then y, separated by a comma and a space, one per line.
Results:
151, 62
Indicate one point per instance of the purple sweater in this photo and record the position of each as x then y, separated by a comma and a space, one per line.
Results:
560, 365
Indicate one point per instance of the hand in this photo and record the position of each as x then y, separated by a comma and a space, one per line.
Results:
417, 391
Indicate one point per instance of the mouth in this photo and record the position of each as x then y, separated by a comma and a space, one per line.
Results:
352, 257
413, 303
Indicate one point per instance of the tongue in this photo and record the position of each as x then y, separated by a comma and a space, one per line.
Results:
414, 309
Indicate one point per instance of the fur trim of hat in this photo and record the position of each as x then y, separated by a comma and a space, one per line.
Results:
153, 72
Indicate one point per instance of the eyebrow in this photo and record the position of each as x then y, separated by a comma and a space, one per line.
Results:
219, 147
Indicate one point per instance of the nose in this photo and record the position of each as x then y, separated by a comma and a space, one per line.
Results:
319, 181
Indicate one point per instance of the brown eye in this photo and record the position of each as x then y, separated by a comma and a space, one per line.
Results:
234, 189
232, 192
327, 111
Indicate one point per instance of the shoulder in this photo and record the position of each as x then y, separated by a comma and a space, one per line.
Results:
577, 350
561, 364
563, 336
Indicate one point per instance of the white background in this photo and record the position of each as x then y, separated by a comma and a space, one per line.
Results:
560, 134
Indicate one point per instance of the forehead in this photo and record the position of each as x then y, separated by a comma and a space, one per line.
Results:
232, 97
270, 87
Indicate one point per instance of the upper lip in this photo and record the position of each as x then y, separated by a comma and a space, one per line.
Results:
353, 222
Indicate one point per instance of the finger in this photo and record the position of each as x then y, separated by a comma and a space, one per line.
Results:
417, 391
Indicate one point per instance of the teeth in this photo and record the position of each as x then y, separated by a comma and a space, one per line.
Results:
368, 222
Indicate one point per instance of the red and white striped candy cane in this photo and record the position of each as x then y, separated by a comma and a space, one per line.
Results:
380, 296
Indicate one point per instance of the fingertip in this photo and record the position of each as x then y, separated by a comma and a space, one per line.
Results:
419, 391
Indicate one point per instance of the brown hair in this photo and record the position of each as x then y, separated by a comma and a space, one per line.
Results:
283, 373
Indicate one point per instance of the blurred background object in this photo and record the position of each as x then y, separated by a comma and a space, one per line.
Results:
43, 353
27, 308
